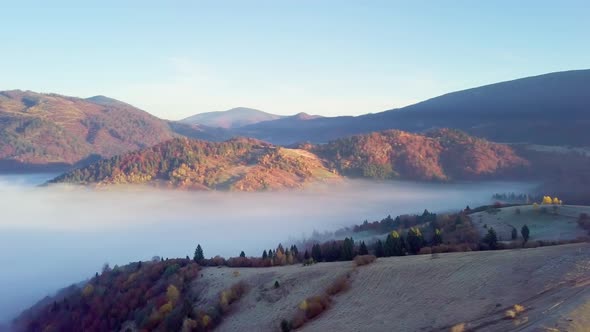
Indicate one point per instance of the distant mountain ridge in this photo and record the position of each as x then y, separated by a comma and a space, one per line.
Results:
233, 118
551, 109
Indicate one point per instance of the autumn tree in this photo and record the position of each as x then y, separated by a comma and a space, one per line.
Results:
394, 245
199, 256
415, 240
437, 237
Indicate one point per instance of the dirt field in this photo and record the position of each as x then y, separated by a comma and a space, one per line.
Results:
560, 225
451, 292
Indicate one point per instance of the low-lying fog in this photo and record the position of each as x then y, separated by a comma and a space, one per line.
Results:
53, 237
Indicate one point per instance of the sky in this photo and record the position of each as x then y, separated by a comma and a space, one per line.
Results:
178, 58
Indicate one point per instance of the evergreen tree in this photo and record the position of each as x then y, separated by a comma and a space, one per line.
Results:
394, 245
199, 256
491, 239
242, 254
363, 249
316, 252
525, 233
347, 249
306, 255
415, 240
264, 255
295, 251
514, 233
437, 238
379, 248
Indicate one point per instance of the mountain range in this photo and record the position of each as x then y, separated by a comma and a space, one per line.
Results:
40, 131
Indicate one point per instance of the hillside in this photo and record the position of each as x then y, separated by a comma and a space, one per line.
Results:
233, 118
550, 109
238, 164
39, 130
248, 164
438, 155
468, 291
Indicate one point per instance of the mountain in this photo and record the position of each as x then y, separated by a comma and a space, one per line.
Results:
267, 130
551, 109
238, 164
42, 130
250, 165
233, 118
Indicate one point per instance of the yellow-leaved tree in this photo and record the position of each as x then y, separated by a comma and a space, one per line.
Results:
547, 200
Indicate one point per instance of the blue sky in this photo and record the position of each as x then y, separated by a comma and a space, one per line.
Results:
177, 58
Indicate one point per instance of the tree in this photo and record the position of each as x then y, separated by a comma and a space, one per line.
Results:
514, 233
306, 255
316, 252
199, 256
491, 239
379, 248
264, 255
363, 249
547, 200
394, 245
242, 254
347, 249
437, 238
524, 231
415, 240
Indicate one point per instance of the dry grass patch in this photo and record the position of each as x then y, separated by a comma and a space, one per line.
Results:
361, 260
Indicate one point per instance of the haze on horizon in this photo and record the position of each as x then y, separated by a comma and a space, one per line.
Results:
328, 58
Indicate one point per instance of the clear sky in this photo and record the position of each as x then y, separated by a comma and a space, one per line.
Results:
177, 58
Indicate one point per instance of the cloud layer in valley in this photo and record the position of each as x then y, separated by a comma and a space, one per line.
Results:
55, 236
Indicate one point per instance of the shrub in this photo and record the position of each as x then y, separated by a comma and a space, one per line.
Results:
361, 260
341, 284
425, 251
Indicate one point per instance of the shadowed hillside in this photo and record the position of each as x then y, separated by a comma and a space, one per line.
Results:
549, 109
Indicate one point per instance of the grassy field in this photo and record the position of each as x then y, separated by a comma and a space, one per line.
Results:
450, 292
544, 222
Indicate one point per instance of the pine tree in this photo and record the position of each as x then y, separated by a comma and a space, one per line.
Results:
347, 249
379, 248
264, 255
491, 239
394, 245
316, 253
363, 249
199, 256
514, 233
306, 255
242, 254
525, 233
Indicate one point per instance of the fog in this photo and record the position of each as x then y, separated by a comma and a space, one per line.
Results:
51, 237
